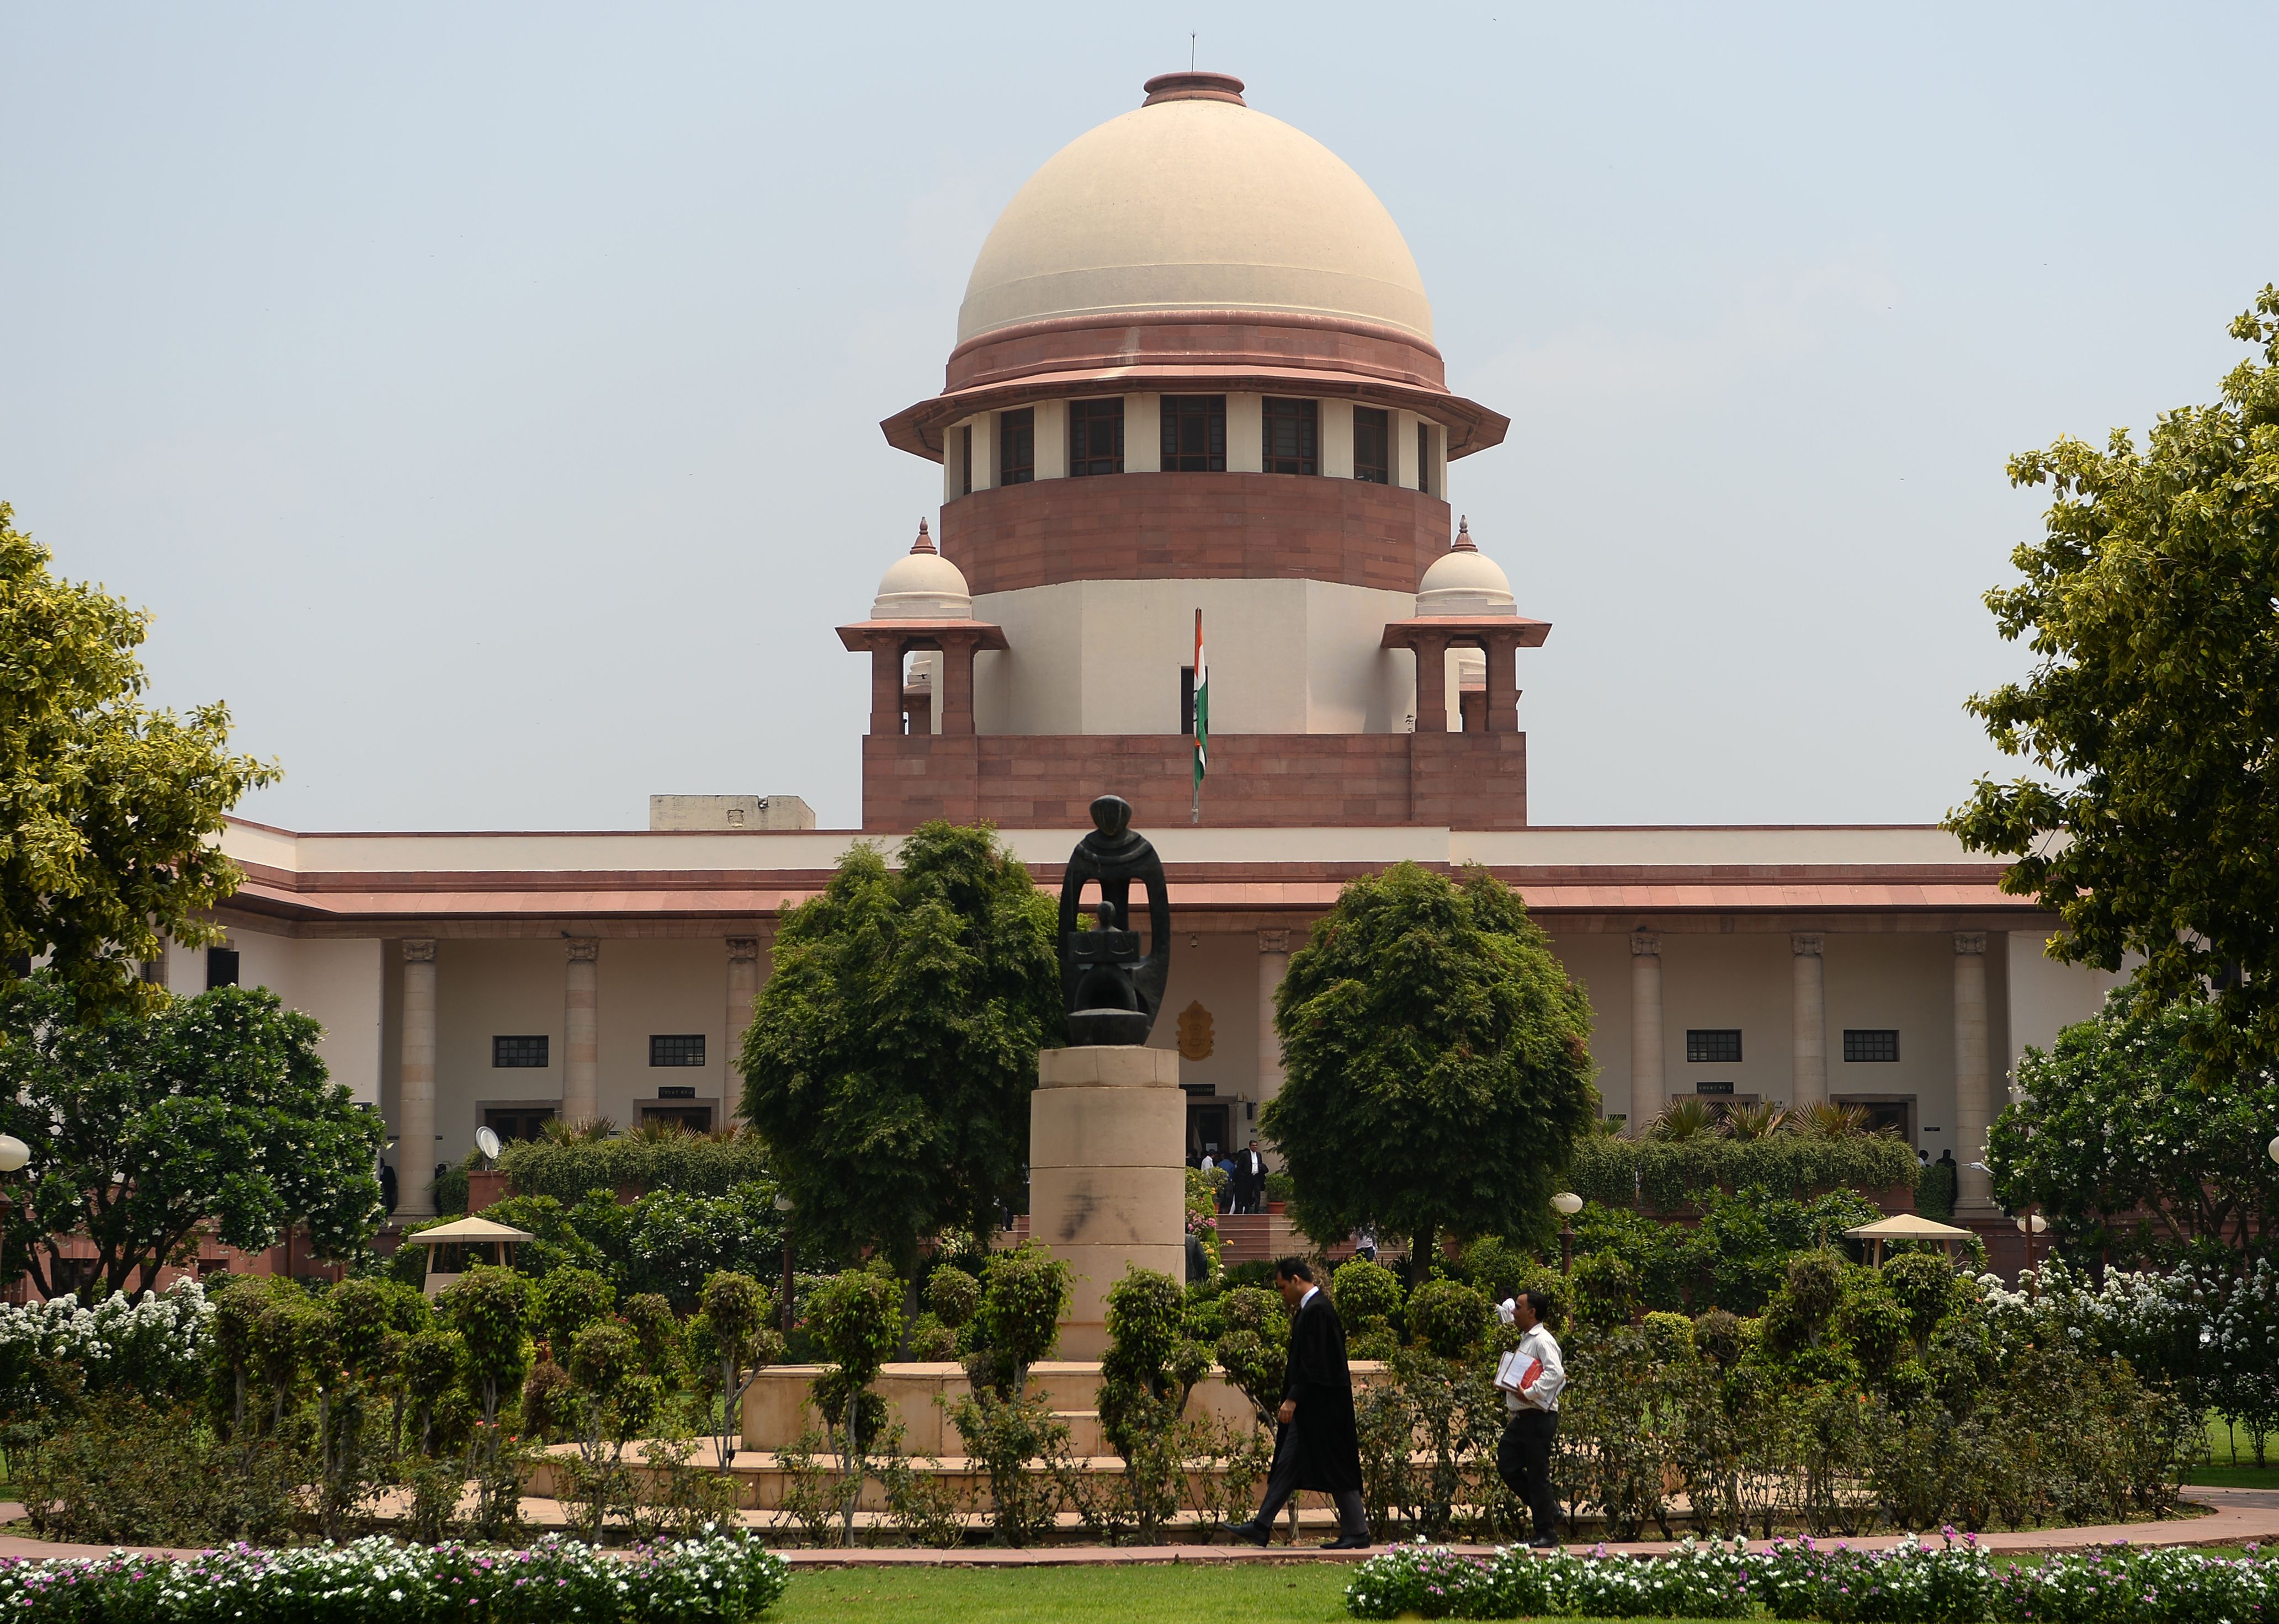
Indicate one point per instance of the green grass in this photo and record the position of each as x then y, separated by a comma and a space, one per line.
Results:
1182, 1594
2231, 1459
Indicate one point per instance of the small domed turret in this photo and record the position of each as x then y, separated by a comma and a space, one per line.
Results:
1464, 582
923, 584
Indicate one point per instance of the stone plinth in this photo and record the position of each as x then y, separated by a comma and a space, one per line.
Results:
1108, 1177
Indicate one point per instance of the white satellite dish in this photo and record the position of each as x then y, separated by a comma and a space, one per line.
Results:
487, 1140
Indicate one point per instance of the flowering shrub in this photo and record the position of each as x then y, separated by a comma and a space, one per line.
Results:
151, 1344
1952, 1582
721, 1579
1949, 1583
1695, 1580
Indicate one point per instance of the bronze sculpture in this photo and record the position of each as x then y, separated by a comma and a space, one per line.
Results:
1113, 993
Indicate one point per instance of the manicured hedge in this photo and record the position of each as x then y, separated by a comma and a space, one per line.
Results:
693, 1165
721, 1579
1660, 1175
1952, 1582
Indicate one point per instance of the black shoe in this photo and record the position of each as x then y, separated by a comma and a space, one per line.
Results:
1348, 1542
1545, 1544
1250, 1533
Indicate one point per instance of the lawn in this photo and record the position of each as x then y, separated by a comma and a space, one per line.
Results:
1182, 1594
2231, 1459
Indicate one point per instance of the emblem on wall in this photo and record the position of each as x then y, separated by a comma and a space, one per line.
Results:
1195, 1032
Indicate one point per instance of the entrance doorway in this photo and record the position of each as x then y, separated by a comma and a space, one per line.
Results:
696, 1118
1210, 1127
1891, 1114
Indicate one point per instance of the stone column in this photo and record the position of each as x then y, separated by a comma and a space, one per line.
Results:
1273, 964
1503, 684
958, 685
581, 1087
743, 991
1809, 1066
415, 1098
1108, 1177
887, 689
1973, 1084
1648, 1094
1431, 684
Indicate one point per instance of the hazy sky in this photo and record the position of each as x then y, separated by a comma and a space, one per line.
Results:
485, 398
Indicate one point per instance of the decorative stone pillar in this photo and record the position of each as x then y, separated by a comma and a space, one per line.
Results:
958, 685
1808, 1042
1974, 1089
887, 689
581, 1087
1431, 684
1503, 684
1648, 1093
415, 1099
1108, 1177
1273, 964
743, 991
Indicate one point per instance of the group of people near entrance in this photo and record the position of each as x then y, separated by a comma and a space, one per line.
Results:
1245, 1189
1315, 1445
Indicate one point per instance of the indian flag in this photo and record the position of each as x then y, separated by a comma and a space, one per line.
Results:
1202, 718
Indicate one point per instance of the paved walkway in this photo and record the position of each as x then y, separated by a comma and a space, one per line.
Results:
2234, 1517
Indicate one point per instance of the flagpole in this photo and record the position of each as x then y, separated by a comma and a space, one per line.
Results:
1202, 721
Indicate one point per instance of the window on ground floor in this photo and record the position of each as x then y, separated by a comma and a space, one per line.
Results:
521, 1052
677, 1049
1712, 1046
1868, 1043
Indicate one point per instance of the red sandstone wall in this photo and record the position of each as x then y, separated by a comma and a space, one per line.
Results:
1257, 781
1195, 526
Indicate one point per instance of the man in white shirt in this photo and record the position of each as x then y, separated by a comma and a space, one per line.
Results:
1530, 1378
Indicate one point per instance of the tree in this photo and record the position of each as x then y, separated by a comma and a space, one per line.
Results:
2112, 1123
1437, 1060
145, 1127
110, 809
892, 1054
2152, 710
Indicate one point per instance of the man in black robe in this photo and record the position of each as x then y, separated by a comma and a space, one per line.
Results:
1315, 1446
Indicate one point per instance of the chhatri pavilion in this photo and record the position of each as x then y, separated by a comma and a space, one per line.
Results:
1195, 371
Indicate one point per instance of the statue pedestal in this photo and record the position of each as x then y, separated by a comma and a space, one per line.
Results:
1108, 1177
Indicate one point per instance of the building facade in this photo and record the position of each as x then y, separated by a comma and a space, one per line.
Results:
1193, 375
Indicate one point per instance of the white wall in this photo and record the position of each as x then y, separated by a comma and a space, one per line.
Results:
1600, 962
1287, 656
1906, 982
337, 982
2045, 995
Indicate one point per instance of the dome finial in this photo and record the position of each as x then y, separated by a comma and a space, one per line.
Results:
924, 543
1463, 541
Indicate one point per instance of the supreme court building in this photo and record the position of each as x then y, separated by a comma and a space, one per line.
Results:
1194, 370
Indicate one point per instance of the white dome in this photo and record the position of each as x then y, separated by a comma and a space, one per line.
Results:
1195, 201
1465, 583
922, 585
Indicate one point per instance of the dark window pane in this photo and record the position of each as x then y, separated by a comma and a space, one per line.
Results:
1424, 458
677, 1049
1194, 433
965, 459
1289, 431
221, 967
518, 1122
1016, 447
519, 1051
1874, 1044
1186, 702
1372, 446
1714, 1048
1095, 437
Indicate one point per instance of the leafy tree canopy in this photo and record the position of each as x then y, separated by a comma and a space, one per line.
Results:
2110, 1123
108, 809
1437, 1059
142, 1127
891, 1053
2151, 603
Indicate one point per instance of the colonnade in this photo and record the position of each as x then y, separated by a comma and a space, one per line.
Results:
580, 1048
1975, 1105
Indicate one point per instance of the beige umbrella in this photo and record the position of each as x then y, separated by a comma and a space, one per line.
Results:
1904, 1227
463, 1232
